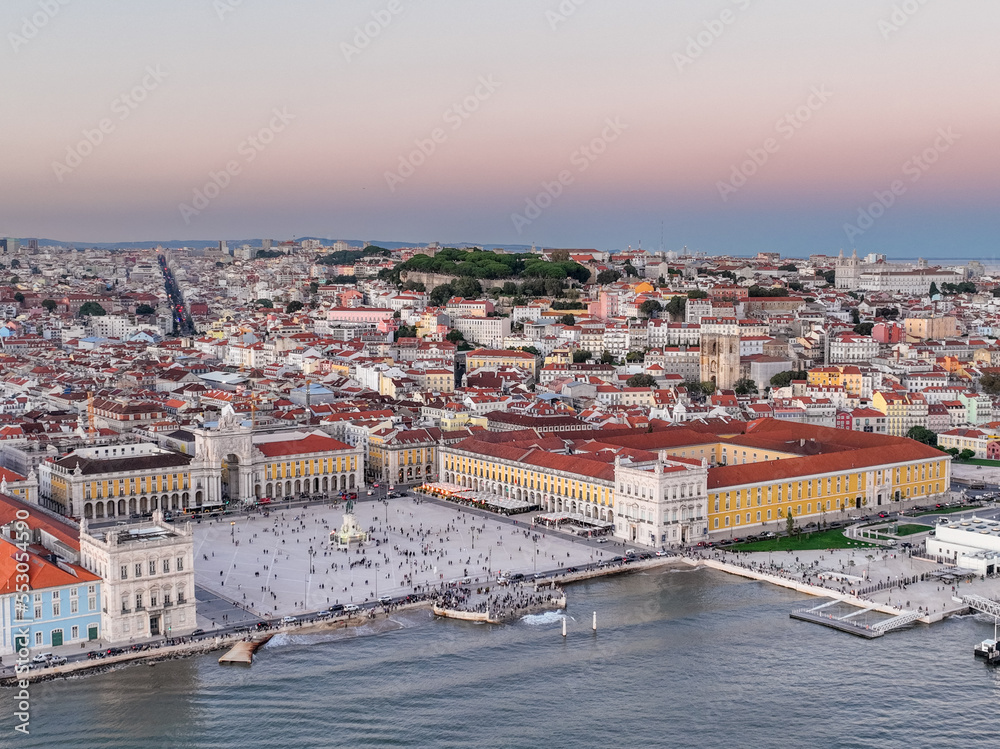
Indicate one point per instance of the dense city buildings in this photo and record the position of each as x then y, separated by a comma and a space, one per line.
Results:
661, 398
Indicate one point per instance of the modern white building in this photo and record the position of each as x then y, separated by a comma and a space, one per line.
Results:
970, 543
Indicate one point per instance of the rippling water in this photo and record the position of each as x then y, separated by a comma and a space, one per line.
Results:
681, 659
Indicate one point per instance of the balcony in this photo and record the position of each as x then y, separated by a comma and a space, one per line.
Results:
126, 611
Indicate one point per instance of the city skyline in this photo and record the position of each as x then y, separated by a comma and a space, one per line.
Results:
737, 127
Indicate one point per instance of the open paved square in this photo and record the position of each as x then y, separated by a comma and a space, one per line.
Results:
284, 564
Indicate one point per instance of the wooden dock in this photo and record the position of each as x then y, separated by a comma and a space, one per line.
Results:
242, 652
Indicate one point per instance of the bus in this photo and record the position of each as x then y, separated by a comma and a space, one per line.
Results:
209, 510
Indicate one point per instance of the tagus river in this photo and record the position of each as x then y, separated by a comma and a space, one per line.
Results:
680, 659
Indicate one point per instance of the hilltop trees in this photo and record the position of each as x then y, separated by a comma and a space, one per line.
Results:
88, 309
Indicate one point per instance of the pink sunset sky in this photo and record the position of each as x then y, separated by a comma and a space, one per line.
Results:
839, 98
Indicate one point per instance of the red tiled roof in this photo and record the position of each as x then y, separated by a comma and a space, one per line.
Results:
314, 443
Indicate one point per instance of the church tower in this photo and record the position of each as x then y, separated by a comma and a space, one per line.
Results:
720, 352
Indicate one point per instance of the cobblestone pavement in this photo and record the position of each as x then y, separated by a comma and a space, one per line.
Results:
285, 564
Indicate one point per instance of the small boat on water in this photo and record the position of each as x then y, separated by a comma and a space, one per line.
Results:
989, 650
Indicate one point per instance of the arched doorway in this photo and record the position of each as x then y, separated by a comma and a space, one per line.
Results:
231, 477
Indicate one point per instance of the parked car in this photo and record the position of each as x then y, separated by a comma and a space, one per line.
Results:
288, 619
57, 660
42, 658
385, 599
351, 608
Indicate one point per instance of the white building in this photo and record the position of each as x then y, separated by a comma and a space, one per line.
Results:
148, 574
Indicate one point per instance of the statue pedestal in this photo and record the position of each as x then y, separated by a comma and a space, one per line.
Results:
350, 533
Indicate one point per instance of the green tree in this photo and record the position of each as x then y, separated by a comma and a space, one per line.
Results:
952, 451
745, 386
313, 287
649, 307
784, 379
630, 269
455, 336
440, 295
608, 276
676, 306
694, 388
640, 381
19, 297
934, 291
830, 276
707, 387
967, 454
531, 350
92, 309
406, 331
989, 383
581, 356
50, 304
264, 303
790, 522
559, 256
922, 434
144, 309
469, 288
293, 306
634, 356
568, 320
789, 268
607, 358
864, 328
15, 263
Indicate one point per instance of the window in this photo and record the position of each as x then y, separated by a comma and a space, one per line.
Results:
38, 611
38, 638
152, 566
124, 572
74, 633
166, 566
55, 595
138, 569
74, 606
152, 599
91, 603
138, 600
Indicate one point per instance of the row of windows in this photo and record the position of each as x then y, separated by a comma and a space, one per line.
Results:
151, 567
312, 467
801, 489
839, 504
123, 487
531, 480
57, 609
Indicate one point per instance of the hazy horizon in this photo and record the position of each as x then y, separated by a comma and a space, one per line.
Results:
738, 126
